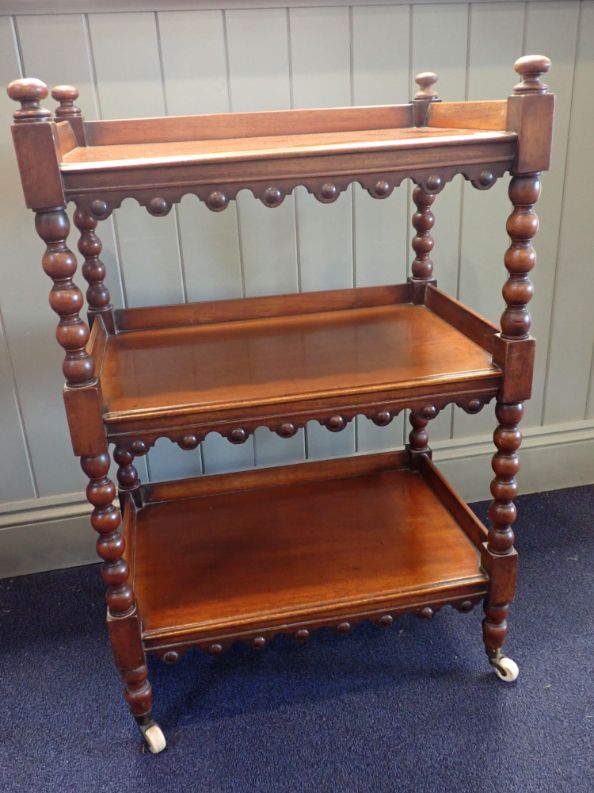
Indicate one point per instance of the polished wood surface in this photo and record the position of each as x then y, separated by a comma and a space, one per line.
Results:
217, 126
267, 307
472, 115
239, 555
244, 556
286, 359
94, 158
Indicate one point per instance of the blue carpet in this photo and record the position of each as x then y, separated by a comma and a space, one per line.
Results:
412, 708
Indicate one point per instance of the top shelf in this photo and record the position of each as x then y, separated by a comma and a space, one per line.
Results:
132, 155
98, 164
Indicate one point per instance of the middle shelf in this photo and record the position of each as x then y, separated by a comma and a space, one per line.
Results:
272, 360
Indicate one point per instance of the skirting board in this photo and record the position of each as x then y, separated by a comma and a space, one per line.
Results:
54, 533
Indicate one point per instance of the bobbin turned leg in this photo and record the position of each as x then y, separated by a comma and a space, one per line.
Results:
93, 269
500, 543
418, 439
73, 333
122, 617
422, 243
520, 258
128, 479
517, 291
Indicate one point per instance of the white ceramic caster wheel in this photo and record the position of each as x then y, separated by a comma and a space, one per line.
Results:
506, 669
155, 740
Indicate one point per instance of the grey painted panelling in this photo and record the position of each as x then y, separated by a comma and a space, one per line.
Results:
29, 331
320, 40
550, 28
570, 364
194, 62
439, 42
16, 477
380, 75
495, 41
37, 6
128, 45
266, 57
255, 39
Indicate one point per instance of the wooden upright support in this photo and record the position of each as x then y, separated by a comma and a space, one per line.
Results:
520, 258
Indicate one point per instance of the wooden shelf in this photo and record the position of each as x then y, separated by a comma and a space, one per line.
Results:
360, 349
274, 550
158, 160
132, 155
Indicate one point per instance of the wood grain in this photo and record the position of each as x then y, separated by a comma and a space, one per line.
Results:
309, 547
285, 359
133, 155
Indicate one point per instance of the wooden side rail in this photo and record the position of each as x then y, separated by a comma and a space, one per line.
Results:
469, 115
460, 317
238, 309
246, 125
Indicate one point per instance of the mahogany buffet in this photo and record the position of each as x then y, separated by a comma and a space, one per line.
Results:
243, 556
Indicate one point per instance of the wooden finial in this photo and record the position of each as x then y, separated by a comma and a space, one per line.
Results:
426, 81
531, 67
29, 91
66, 96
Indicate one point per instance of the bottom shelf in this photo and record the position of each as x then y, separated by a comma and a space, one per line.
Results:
238, 556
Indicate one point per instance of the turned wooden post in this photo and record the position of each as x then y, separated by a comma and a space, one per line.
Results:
418, 439
122, 620
65, 298
31, 130
520, 258
423, 219
424, 96
67, 95
34, 138
93, 270
422, 266
128, 479
89, 245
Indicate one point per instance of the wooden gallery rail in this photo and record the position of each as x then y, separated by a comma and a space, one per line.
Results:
244, 556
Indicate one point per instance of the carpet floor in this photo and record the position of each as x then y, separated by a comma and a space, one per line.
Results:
411, 708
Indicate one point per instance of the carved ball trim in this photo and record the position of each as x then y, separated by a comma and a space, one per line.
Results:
286, 430
329, 191
188, 442
273, 196
382, 189
434, 183
383, 418
217, 201
238, 435
336, 423
99, 208
138, 448
158, 206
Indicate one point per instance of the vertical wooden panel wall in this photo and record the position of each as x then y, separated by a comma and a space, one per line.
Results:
250, 56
